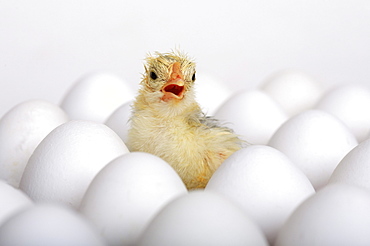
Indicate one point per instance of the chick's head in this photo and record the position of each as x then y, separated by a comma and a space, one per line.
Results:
168, 77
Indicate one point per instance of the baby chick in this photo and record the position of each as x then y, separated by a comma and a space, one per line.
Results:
167, 121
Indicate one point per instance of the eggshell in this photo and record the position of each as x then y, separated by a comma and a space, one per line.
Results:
127, 193
337, 215
65, 162
21, 130
351, 104
96, 96
265, 183
295, 91
48, 225
210, 92
354, 168
316, 142
119, 121
253, 115
202, 218
11, 201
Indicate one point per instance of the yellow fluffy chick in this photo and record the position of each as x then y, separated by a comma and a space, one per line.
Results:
167, 121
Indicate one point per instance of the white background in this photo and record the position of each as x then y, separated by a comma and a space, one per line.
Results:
46, 45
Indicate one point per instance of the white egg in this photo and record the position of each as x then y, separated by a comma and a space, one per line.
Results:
336, 215
210, 92
351, 104
127, 193
202, 218
119, 121
316, 142
65, 162
354, 168
12, 201
253, 115
95, 97
21, 130
265, 183
48, 225
293, 90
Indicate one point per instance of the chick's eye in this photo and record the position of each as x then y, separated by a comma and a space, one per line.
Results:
193, 77
153, 75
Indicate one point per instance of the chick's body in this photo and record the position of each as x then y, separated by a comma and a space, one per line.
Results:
168, 122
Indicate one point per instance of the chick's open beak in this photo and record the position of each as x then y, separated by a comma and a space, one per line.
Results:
174, 88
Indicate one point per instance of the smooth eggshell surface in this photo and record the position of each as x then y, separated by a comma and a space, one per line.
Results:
210, 92
265, 183
127, 193
350, 104
48, 225
354, 168
96, 96
336, 215
295, 91
119, 121
202, 218
21, 130
11, 201
65, 162
316, 142
251, 114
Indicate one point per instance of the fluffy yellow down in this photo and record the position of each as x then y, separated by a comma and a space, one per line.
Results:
178, 132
